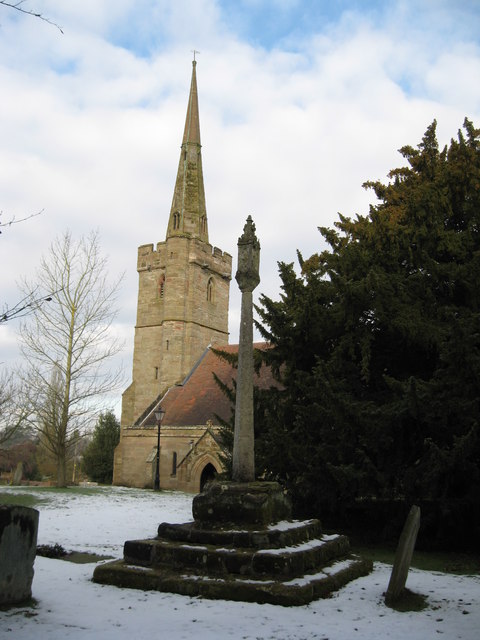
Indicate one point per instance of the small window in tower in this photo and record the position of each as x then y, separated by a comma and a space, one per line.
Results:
210, 290
176, 220
174, 463
156, 373
168, 342
203, 224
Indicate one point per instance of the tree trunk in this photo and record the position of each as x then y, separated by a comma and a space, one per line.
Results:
61, 470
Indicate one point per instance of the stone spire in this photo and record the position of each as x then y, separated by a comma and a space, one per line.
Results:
188, 214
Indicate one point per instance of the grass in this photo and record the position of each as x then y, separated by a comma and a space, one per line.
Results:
408, 601
25, 500
444, 562
78, 557
37, 496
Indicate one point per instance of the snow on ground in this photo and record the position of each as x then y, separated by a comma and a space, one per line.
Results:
70, 605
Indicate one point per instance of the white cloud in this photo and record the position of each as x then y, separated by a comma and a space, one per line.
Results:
91, 125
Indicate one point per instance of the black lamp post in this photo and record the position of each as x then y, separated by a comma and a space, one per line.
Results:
159, 413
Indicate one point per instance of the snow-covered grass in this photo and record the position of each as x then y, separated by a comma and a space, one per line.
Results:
69, 605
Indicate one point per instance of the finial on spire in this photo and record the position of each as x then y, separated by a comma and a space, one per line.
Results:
194, 51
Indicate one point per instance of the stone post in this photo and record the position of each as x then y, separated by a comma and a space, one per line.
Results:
247, 277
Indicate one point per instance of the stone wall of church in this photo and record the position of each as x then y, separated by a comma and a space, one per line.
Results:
183, 298
185, 452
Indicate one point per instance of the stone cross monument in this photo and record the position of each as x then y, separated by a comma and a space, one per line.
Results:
247, 277
238, 548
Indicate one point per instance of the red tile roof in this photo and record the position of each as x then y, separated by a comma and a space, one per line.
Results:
199, 398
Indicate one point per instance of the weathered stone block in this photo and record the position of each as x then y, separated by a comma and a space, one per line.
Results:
245, 503
257, 538
18, 544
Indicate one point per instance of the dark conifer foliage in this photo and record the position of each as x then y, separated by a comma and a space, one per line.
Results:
98, 456
377, 344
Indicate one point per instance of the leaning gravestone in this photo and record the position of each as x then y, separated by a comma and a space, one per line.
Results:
18, 544
403, 556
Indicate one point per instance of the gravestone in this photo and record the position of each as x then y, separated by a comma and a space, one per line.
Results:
18, 544
18, 475
403, 556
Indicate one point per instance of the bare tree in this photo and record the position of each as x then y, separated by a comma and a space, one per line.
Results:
13, 414
18, 6
68, 342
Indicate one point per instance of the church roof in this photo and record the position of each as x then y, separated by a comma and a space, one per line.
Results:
199, 399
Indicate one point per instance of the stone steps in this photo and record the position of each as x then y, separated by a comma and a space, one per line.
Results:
239, 547
196, 561
280, 534
294, 592
286, 561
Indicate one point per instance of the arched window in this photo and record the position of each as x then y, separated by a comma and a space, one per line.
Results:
203, 224
210, 290
176, 220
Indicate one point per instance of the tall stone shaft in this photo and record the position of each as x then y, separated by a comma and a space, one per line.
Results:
247, 277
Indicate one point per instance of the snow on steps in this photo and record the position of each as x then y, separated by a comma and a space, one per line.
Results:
281, 564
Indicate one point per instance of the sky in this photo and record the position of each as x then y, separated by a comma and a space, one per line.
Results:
100, 522
301, 102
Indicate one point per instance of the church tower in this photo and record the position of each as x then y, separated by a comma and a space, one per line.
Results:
183, 288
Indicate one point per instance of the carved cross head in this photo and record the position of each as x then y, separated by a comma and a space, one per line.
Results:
248, 272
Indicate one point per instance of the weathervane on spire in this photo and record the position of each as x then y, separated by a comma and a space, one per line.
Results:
194, 51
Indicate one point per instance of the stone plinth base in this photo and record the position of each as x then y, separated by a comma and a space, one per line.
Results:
233, 551
18, 546
287, 564
249, 503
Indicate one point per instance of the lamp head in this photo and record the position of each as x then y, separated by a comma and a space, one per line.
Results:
159, 413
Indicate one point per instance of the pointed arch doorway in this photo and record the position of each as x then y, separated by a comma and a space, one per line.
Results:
209, 472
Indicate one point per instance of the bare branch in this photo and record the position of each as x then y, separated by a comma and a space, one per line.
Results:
18, 7
13, 220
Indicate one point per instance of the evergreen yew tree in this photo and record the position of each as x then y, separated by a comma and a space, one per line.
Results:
377, 344
97, 460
